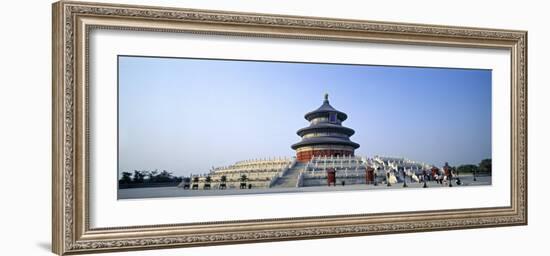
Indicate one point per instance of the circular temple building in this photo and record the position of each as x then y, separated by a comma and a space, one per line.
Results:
325, 136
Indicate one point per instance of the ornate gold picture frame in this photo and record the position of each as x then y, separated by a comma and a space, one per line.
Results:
72, 24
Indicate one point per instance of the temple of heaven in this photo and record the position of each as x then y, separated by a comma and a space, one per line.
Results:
325, 136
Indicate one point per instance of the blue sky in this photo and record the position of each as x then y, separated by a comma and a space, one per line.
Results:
187, 115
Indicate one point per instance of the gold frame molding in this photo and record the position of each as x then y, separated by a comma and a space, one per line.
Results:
72, 22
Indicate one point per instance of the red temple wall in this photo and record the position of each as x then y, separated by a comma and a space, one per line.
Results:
305, 156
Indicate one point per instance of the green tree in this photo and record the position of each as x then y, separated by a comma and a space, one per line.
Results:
223, 181
243, 180
126, 178
153, 175
207, 182
164, 176
138, 176
147, 176
467, 168
485, 166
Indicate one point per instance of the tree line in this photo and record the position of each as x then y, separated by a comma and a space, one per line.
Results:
485, 166
144, 177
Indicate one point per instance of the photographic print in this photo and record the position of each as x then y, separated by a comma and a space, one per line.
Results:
177, 127
219, 127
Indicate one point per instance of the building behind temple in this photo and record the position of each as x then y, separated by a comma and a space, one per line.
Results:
324, 154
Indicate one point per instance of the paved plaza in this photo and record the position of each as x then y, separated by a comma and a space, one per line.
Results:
136, 193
